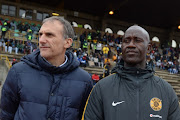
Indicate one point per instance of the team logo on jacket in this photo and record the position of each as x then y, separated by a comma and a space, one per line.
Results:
156, 104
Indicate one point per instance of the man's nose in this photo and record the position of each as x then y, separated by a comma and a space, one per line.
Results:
131, 44
42, 39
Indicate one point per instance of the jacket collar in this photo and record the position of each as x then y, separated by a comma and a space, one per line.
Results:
35, 60
131, 72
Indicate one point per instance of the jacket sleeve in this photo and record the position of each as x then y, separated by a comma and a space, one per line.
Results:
85, 97
9, 97
94, 108
174, 108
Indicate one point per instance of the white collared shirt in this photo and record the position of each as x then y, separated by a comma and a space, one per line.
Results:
66, 59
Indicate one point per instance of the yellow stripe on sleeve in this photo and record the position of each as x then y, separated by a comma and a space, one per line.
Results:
86, 105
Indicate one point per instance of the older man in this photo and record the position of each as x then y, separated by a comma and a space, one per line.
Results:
133, 92
47, 84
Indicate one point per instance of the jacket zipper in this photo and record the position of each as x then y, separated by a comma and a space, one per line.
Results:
137, 96
48, 114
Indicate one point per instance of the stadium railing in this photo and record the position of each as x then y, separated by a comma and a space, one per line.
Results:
8, 63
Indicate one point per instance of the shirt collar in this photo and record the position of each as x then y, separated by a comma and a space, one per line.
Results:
66, 59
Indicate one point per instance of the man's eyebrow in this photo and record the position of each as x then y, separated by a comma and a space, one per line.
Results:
126, 37
45, 32
139, 37
134, 37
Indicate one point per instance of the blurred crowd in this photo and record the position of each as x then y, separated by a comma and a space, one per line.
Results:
96, 48
10, 30
167, 59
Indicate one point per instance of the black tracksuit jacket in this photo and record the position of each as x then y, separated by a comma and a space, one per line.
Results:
132, 94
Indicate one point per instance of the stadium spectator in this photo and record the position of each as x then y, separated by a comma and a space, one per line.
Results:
169, 64
20, 46
119, 56
47, 83
13, 25
105, 50
14, 46
8, 46
98, 36
34, 46
118, 40
173, 70
93, 46
104, 39
82, 38
106, 69
33, 28
96, 60
158, 64
114, 57
99, 47
74, 53
111, 43
27, 48
89, 38
3, 45
82, 60
106, 60
14, 61
118, 48
95, 78
85, 45
79, 52
4, 29
151, 63
29, 35
100, 60
133, 92
91, 57
176, 64
20, 26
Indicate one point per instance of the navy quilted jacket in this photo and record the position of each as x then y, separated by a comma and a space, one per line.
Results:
36, 90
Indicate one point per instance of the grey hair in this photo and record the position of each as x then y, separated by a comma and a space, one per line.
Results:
68, 30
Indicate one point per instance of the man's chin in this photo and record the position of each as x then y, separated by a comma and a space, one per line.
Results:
44, 54
131, 61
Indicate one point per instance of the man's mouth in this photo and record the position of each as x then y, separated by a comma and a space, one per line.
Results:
131, 51
44, 47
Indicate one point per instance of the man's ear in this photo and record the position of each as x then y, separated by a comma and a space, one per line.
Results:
68, 42
149, 48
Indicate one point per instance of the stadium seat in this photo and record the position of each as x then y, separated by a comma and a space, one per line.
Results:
16, 31
16, 35
24, 32
25, 23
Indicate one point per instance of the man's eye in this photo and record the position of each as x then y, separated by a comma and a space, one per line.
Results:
126, 40
40, 34
139, 40
49, 34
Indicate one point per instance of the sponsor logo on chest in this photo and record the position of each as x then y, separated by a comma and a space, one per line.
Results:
156, 105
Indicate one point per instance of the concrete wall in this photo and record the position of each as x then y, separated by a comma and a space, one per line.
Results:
3, 70
3, 73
